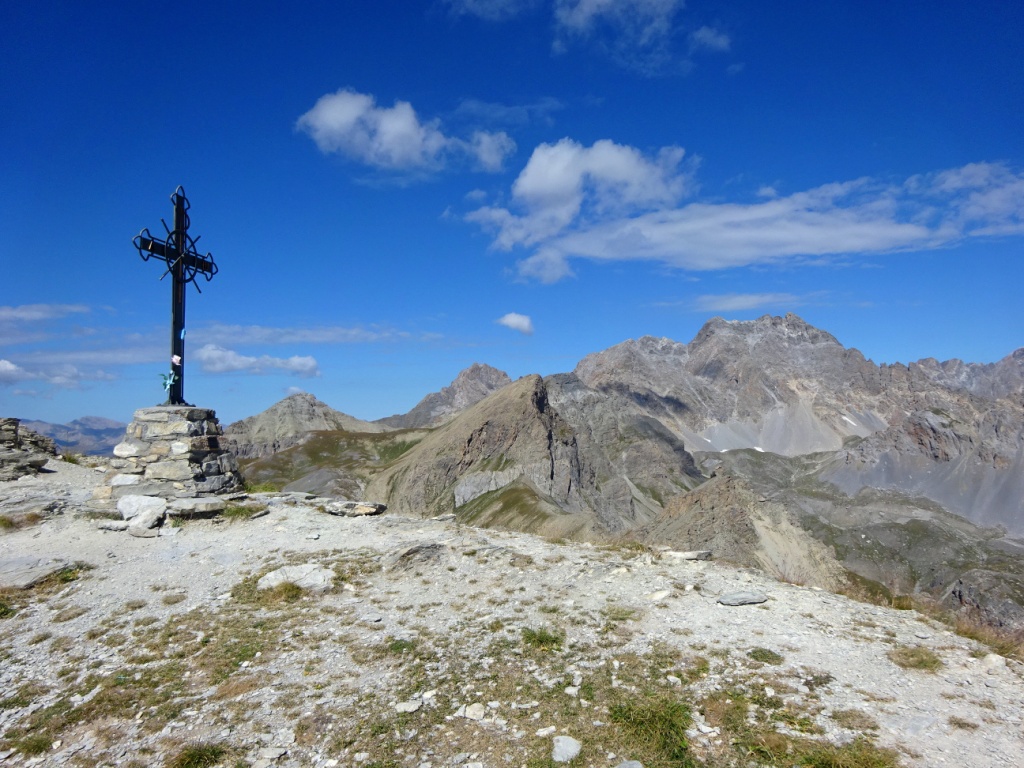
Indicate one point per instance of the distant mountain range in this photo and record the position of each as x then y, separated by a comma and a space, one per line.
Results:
89, 434
911, 476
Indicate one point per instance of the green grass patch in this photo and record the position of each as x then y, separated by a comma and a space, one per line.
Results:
657, 730
201, 754
917, 657
543, 639
765, 656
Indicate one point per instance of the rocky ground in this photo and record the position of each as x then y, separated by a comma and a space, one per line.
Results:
424, 643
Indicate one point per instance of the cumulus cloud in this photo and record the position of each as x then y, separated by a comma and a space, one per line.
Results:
566, 183
215, 359
517, 322
11, 373
616, 205
351, 124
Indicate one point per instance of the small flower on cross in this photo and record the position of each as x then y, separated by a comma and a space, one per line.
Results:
168, 380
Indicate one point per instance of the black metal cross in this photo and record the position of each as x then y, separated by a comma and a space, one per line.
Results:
178, 251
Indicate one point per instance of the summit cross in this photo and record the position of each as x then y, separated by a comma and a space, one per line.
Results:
178, 251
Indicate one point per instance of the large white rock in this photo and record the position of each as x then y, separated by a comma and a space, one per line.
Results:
133, 505
565, 749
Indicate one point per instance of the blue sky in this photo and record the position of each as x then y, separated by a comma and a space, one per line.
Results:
395, 190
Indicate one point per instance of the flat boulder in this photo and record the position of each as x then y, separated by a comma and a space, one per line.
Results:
742, 598
310, 576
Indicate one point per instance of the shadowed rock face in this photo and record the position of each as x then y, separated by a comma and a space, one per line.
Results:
512, 438
287, 423
470, 387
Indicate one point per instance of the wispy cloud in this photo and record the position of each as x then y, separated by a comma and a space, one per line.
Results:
642, 35
63, 376
351, 124
32, 323
27, 313
492, 10
571, 202
709, 39
495, 113
219, 333
517, 322
635, 33
737, 302
215, 359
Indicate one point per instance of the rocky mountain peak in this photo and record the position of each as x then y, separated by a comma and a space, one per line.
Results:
286, 423
471, 386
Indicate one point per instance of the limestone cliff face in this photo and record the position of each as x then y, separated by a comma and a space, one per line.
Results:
470, 387
287, 423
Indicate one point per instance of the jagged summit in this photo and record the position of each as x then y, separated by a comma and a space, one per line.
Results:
471, 386
286, 422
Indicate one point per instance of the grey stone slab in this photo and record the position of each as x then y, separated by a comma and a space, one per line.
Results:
23, 572
742, 598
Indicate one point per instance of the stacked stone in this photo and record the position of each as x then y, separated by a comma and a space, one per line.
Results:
173, 452
22, 451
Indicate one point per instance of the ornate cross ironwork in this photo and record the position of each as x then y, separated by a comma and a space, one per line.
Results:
184, 264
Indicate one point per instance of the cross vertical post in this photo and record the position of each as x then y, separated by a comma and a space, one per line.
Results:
176, 390
178, 251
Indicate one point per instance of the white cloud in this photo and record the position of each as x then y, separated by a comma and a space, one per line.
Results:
293, 390
735, 302
517, 322
394, 138
569, 205
11, 373
566, 183
215, 359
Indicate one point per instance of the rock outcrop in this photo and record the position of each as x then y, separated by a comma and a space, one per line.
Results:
22, 451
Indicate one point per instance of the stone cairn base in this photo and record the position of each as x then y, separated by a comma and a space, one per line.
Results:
173, 452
